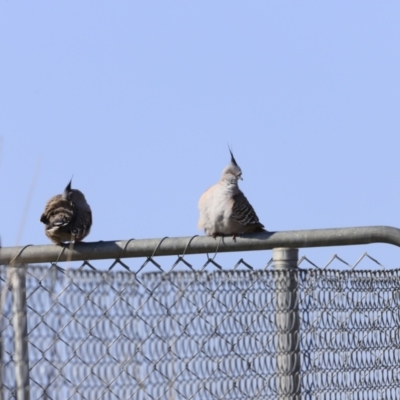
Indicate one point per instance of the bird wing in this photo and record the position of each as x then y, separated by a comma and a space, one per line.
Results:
45, 218
60, 219
57, 212
82, 223
243, 212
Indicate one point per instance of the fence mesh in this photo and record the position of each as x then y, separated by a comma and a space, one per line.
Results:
191, 333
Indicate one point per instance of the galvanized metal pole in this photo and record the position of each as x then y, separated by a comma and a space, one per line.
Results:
20, 324
287, 323
30, 254
1, 360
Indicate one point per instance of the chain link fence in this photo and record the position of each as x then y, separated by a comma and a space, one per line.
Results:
181, 328
186, 330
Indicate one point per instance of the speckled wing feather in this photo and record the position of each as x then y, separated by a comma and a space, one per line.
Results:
243, 212
58, 212
80, 226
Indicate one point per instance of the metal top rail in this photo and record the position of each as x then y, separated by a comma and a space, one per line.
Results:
200, 244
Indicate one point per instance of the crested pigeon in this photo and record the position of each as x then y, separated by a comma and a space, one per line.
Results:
67, 216
224, 209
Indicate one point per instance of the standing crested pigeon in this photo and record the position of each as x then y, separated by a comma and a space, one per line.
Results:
224, 209
67, 216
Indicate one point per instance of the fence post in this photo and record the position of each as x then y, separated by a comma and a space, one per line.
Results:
20, 325
287, 323
1, 353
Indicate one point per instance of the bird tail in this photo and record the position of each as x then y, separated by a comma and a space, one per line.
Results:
258, 227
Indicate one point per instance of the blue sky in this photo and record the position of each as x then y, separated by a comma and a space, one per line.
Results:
139, 100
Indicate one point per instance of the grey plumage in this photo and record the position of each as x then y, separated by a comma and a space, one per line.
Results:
224, 209
67, 216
